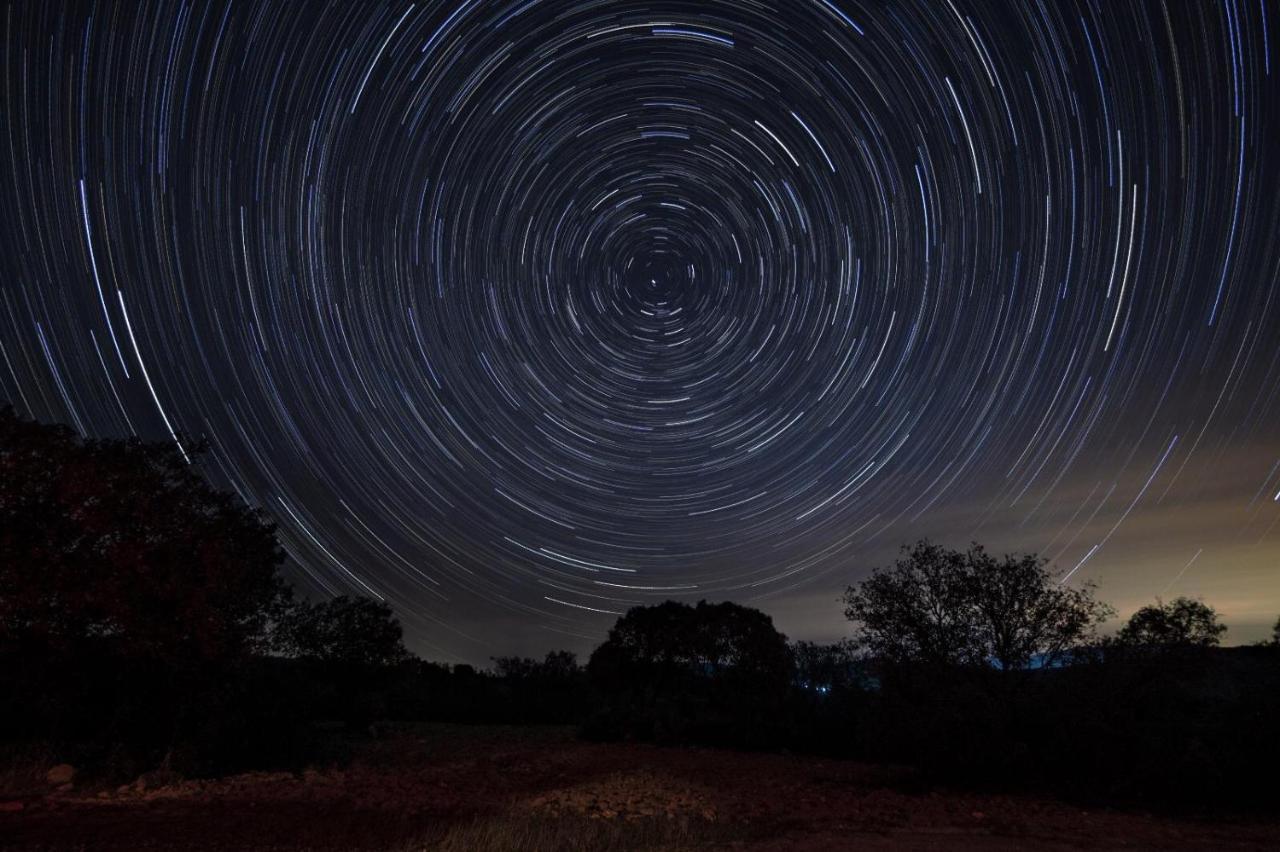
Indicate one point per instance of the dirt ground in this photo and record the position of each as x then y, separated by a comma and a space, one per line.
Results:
474, 788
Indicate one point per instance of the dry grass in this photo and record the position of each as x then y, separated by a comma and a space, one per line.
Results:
450, 788
632, 810
629, 796
541, 832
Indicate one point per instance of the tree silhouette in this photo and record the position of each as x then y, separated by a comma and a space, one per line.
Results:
712, 672
135, 600
122, 542
552, 689
1181, 623
917, 610
348, 630
556, 666
826, 668
1025, 614
943, 607
706, 639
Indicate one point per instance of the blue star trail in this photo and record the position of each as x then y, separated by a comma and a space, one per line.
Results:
518, 314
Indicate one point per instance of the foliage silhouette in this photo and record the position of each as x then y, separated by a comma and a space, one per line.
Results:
1181, 623
989, 672
941, 607
138, 605
828, 668
709, 673
346, 630
549, 690
123, 542
556, 666
143, 620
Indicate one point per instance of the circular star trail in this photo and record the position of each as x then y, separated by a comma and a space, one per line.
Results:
517, 314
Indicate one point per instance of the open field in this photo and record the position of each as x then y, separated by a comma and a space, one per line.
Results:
474, 788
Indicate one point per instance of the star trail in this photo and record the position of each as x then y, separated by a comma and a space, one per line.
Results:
518, 314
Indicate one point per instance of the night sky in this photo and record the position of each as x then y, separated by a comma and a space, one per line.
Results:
518, 314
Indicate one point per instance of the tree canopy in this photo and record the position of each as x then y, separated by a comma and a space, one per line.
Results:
939, 606
556, 666
124, 541
1181, 623
704, 639
824, 668
344, 629
710, 672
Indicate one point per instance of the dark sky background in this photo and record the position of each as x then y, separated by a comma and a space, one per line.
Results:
517, 314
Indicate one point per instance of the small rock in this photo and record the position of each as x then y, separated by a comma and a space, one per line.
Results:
978, 815
66, 788
63, 773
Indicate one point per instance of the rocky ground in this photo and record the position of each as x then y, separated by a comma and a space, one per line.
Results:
475, 788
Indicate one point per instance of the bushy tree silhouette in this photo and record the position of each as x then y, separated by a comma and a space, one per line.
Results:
917, 610
122, 542
711, 672
941, 607
349, 648
344, 630
135, 599
1181, 623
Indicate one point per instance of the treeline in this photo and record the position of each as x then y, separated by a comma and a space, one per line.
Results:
144, 626
979, 671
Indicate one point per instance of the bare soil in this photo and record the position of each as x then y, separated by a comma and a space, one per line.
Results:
473, 788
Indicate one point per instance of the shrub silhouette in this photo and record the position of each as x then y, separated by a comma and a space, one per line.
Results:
717, 673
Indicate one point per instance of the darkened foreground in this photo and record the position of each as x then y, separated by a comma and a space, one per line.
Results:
480, 788
146, 633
